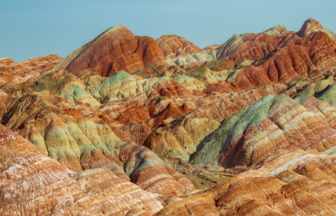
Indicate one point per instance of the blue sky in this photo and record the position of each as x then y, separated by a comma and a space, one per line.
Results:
40, 27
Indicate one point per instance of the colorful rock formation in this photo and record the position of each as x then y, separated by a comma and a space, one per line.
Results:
295, 182
252, 46
179, 51
270, 124
245, 128
115, 49
34, 184
173, 46
311, 26
17, 72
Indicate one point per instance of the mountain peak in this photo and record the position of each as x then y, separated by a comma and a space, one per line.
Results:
309, 26
115, 49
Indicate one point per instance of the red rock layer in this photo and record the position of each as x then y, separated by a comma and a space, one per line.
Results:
173, 46
311, 26
219, 87
249, 46
11, 71
115, 49
226, 65
294, 57
210, 48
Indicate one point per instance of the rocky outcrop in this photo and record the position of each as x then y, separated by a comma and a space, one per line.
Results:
251, 46
34, 184
271, 124
311, 26
311, 57
295, 182
180, 136
115, 49
17, 72
210, 48
80, 140
178, 51
173, 46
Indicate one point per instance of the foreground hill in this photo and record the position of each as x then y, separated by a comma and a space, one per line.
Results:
129, 126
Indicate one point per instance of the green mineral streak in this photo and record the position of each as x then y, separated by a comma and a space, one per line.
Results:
180, 61
60, 143
100, 136
38, 141
211, 146
324, 90
177, 153
72, 91
47, 82
116, 78
82, 141
183, 77
116, 169
330, 150
129, 167
213, 64
328, 95
112, 84
233, 75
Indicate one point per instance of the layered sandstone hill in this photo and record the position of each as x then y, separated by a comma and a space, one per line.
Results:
210, 48
34, 184
271, 124
311, 26
80, 137
252, 46
179, 51
115, 49
16, 72
251, 133
173, 46
295, 182
294, 57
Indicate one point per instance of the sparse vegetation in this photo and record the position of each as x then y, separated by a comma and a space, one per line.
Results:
213, 64
238, 64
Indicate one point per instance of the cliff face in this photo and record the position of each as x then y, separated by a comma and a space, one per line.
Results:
115, 49
114, 130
